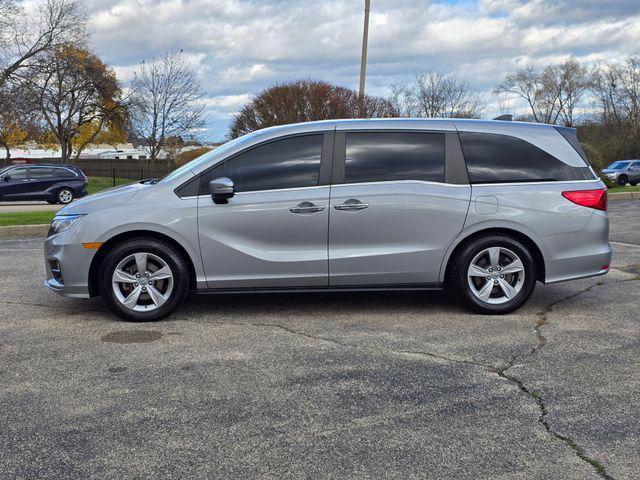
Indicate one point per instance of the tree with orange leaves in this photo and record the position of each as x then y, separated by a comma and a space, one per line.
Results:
79, 99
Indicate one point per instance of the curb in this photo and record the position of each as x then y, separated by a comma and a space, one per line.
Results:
23, 231
624, 195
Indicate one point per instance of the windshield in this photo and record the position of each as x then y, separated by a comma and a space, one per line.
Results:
618, 165
204, 158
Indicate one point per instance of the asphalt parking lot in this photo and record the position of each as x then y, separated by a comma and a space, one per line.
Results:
395, 385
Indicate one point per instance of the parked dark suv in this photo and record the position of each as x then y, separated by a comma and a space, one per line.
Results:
53, 183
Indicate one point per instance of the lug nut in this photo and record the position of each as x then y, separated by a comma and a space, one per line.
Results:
501, 276
137, 275
135, 284
495, 282
491, 269
146, 274
144, 289
488, 277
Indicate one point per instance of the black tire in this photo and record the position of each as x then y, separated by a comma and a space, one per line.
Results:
457, 279
64, 196
634, 183
167, 253
623, 180
52, 202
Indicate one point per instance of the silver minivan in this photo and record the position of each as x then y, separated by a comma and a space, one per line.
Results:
484, 208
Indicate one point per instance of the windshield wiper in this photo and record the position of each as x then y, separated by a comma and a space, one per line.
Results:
149, 181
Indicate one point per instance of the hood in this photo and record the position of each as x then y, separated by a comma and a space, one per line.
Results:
104, 199
609, 170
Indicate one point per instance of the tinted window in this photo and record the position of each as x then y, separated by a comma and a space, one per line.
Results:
63, 172
287, 163
17, 173
386, 156
493, 158
618, 165
39, 172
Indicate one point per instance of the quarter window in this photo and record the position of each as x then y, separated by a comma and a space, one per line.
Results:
388, 156
63, 172
493, 158
288, 163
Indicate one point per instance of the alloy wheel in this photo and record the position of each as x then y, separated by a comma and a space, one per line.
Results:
65, 196
496, 275
142, 282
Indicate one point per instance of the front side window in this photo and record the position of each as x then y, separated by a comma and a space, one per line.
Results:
17, 173
288, 163
388, 156
494, 158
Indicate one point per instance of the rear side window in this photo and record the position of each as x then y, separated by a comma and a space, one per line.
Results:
388, 156
493, 158
287, 163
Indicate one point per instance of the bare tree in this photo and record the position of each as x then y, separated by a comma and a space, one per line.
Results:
528, 85
434, 95
78, 98
553, 94
24, 41
304, 101
617, 88
165, 101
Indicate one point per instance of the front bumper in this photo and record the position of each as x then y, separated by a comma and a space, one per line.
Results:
67, 265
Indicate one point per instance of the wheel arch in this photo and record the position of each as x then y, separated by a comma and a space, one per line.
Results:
525, 239
107, 246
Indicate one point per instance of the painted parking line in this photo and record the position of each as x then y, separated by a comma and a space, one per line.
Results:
625, 244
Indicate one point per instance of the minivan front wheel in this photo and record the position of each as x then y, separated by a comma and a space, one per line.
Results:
494, 274
143, 279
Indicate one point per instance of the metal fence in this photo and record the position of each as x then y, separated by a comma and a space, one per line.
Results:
106, 173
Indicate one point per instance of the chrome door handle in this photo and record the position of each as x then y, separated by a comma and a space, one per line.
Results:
351, 204
306, 207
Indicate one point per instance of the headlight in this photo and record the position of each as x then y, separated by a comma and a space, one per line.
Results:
61, 223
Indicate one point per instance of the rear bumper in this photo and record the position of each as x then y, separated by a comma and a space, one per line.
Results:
581, 254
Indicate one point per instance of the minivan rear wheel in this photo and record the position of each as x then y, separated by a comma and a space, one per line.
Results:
493, 274
65, 196
143, 279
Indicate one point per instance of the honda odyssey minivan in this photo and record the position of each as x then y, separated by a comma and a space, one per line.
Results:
483, 208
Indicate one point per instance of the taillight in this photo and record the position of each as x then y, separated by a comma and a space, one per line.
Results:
588, 198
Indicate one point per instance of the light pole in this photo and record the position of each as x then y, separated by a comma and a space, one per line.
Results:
363, 60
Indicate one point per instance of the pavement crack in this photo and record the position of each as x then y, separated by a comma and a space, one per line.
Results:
542, 419
543, 320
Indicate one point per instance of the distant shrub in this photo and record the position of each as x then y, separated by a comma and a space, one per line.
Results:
187, 156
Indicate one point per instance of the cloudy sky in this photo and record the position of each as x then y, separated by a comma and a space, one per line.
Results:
242, 46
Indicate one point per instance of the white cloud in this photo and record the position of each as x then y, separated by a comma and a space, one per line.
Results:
242, 46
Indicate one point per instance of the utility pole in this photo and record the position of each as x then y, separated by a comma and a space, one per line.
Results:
363, 61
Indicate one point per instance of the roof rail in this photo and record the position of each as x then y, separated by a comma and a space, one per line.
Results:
507, 118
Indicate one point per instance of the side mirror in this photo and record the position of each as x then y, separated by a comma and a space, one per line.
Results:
221, 189
7, 178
